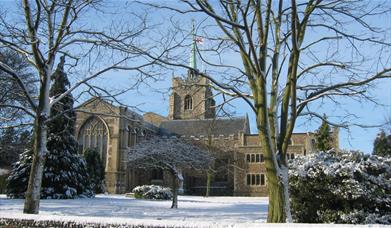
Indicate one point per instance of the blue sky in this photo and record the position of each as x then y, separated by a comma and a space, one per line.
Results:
365, 113
353, 138
153, 95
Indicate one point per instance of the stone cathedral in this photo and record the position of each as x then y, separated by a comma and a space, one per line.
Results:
239, 166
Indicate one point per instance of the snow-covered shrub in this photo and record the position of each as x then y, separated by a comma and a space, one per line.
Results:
348, 187
155, 192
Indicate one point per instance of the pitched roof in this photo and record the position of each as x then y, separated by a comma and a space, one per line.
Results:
94, 99
194, 127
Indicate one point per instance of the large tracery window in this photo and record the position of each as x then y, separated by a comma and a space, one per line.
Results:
188, 102
94, 135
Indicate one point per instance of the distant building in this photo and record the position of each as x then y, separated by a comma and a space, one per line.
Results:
239, 167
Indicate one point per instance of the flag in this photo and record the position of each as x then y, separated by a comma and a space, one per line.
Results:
199, 40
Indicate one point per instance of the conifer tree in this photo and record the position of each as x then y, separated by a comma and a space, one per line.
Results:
8, 137
65, 174
13, 142
95, 169
382, 144
18, 178
323, 136
8, 140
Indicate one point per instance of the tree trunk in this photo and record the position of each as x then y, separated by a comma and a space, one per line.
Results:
285, 185
33, 193
278, 188
174, 191
208, 182
277, 205
276, 198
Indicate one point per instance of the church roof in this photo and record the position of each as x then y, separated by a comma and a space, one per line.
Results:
196, 127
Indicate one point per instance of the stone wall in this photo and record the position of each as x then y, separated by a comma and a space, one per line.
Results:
249, 144
202, 99
125, 128
96, 108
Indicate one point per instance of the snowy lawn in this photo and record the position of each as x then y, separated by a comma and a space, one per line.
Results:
192, 209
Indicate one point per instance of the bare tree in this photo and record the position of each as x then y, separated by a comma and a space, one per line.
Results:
294, 56
169, 154
11, 96
50, 29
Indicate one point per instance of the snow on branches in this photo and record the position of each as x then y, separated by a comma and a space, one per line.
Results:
171, 154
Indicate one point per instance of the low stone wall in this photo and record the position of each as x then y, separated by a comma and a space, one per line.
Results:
9, 222
30, 222
6, 222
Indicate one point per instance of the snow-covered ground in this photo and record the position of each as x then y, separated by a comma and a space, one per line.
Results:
247, 211
193, 211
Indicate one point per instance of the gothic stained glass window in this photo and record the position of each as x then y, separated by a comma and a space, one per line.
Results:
93, 134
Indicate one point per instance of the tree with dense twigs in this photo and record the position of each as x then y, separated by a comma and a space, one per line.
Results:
54, 28
172, 155
285, 59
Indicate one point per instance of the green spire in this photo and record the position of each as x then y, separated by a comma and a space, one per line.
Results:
192, 62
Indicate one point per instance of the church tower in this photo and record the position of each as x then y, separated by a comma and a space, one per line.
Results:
192, 97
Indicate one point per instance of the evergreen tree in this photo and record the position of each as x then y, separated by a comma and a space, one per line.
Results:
65, 172
25, 138
19, 176
382, 144
12, 143
95, 169
8, 137
323, 136
7, 147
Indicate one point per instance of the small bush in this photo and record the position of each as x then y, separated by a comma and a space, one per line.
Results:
348, 187
152, 192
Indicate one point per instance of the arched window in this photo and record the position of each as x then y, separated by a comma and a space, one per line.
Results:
188, 102
93, 134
